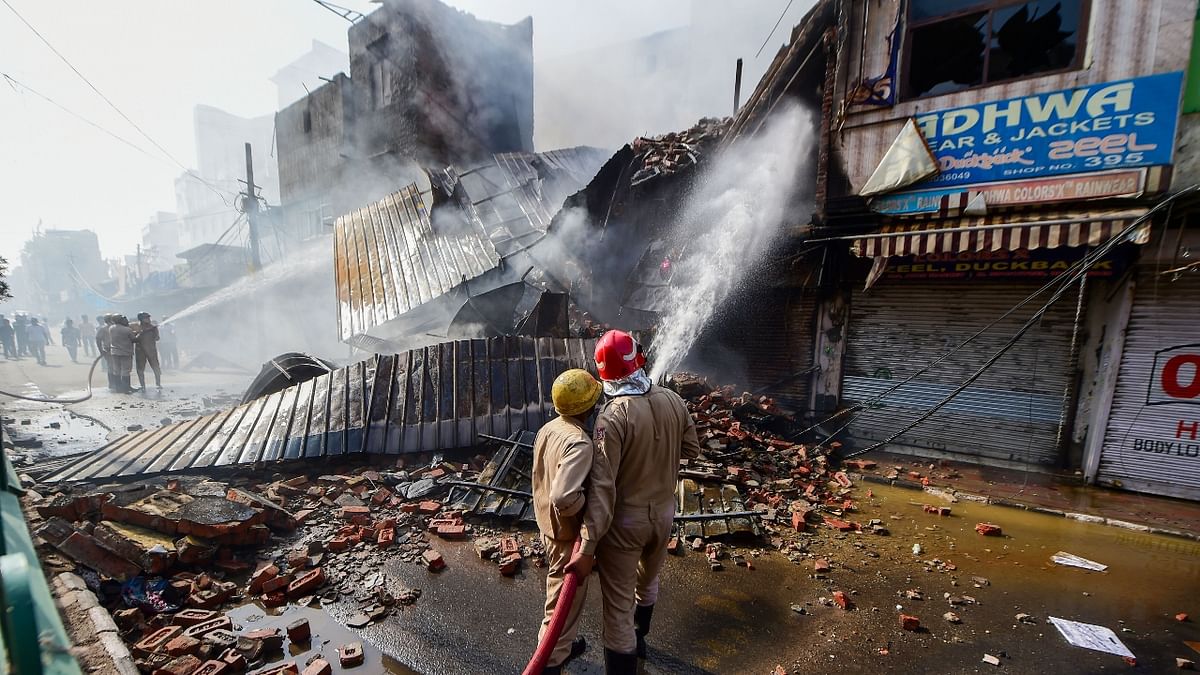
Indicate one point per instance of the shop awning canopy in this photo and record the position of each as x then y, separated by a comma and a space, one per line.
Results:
1007, 231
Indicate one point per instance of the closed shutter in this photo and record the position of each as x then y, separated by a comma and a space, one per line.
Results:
1011, 413
1152, 443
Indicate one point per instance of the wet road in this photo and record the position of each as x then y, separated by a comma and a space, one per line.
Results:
471, 620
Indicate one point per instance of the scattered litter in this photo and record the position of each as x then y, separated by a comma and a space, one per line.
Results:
1181, 617
988, 530
952, 617
988, 658
1072, 560
916, 549
1184, 664
1091, 636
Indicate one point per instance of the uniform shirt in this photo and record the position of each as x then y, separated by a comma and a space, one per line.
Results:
564, 463
121, 338
641, 438
146, 337
103, 340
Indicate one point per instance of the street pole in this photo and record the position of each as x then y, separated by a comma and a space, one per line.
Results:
251, 204
737, 87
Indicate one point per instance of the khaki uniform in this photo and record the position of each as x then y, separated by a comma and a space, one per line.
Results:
563, 462
641, 439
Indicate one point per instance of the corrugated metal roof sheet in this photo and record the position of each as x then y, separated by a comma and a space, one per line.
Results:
434, 398
391, 258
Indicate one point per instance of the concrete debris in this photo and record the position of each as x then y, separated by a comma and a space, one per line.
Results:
951, 617
991, 660
674, 152
988, 530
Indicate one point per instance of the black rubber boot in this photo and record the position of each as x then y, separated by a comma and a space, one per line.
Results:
578, 647
616, 663
641, 627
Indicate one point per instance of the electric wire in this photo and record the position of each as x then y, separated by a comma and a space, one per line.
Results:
1077, 270
773, 29
107, 100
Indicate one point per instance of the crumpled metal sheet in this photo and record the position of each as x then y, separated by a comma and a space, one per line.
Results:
438, 397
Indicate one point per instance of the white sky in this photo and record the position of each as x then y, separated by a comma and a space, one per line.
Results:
157, 59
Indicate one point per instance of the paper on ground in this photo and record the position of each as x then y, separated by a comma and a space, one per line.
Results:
1072, 560
1091, 636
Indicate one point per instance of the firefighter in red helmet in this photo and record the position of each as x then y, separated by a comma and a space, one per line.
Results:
641, 433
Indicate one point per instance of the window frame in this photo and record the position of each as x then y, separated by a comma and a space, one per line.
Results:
989, 6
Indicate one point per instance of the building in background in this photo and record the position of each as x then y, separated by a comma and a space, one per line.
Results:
306, 74
61, 273
160, 243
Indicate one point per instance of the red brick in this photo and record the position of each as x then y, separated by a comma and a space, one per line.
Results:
154, 641
859, 464
988, 530
299, 631
278, 583
319, 666
288, 668
909, 622
213, 667
435, 473
192, 616
297, 560
509, 546
296, 481
821, 565
452, 531
842, 479
201, 629
838, 524
381, 495
351, 654
352, 512
303, 515
276, 599
433, 560
386, 538
842, 601
429, 506
271, 638
338, 543
184, 665
234, 659
83, 549
410, 507
180, 645
307, 583
261, 576
798, 520
510, 564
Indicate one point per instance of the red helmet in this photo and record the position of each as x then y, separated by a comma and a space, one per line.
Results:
618, 355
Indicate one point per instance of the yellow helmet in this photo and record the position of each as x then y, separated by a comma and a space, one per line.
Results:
575, 392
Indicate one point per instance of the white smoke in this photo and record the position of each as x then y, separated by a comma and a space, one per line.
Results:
733, 217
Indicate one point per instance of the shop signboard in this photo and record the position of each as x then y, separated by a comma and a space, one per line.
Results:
1000, 265
1096, 127
1123, 183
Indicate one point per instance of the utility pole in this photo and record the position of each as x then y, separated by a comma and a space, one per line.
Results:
139, 264
251, 205
737, 87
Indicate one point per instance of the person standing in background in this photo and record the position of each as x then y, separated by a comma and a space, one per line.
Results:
145, 334
6, 338
104, 346
38, 336
21, 331
70, 339
168, 346
89, 348
122, 348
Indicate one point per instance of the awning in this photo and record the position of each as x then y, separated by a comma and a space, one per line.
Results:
999, 232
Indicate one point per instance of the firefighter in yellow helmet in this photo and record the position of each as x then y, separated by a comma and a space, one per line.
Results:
563, 468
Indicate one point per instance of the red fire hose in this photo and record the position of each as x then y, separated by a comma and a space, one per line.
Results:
566, 596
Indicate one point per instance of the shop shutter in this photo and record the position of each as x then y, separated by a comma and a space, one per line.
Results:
1151, 443
1011, 413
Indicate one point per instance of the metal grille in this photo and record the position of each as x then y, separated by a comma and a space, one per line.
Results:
1151, 448
1011, 413
435, 398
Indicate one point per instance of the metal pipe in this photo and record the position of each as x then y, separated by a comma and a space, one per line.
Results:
484, 486
506, 441
718, 516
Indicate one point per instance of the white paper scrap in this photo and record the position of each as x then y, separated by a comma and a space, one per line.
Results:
1091, 636
1072, 560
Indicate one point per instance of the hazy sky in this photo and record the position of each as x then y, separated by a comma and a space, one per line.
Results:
156, 59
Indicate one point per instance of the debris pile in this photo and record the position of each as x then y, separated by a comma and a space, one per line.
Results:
671, 153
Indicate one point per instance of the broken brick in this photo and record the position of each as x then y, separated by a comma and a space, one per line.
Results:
798, 521
154, 641
234, 659
988, 530
840, 598
911, 623
1182, 616
351, 513
288, 668
299, 631
261, 576
448, 531
220, 639
510, 564
278, 583
184, 665
307, 583
338, 543
842, 479
212, 667
351, 654
509, 546
276, 599
83, 549
429, 507
380, 496
180, 645
433, 560
271, 639
386, 538
838, 524
820, 565
318, 666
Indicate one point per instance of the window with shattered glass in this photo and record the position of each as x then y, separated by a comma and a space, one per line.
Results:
953, 45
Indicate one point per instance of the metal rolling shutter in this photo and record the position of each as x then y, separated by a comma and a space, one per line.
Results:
1011, 413
1144, 447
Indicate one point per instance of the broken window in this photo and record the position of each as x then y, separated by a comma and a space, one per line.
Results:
958, 44
381, 84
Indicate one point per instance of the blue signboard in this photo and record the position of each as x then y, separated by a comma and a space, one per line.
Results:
1111, 125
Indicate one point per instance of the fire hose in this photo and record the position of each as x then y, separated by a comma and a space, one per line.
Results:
566, 597
43, 399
